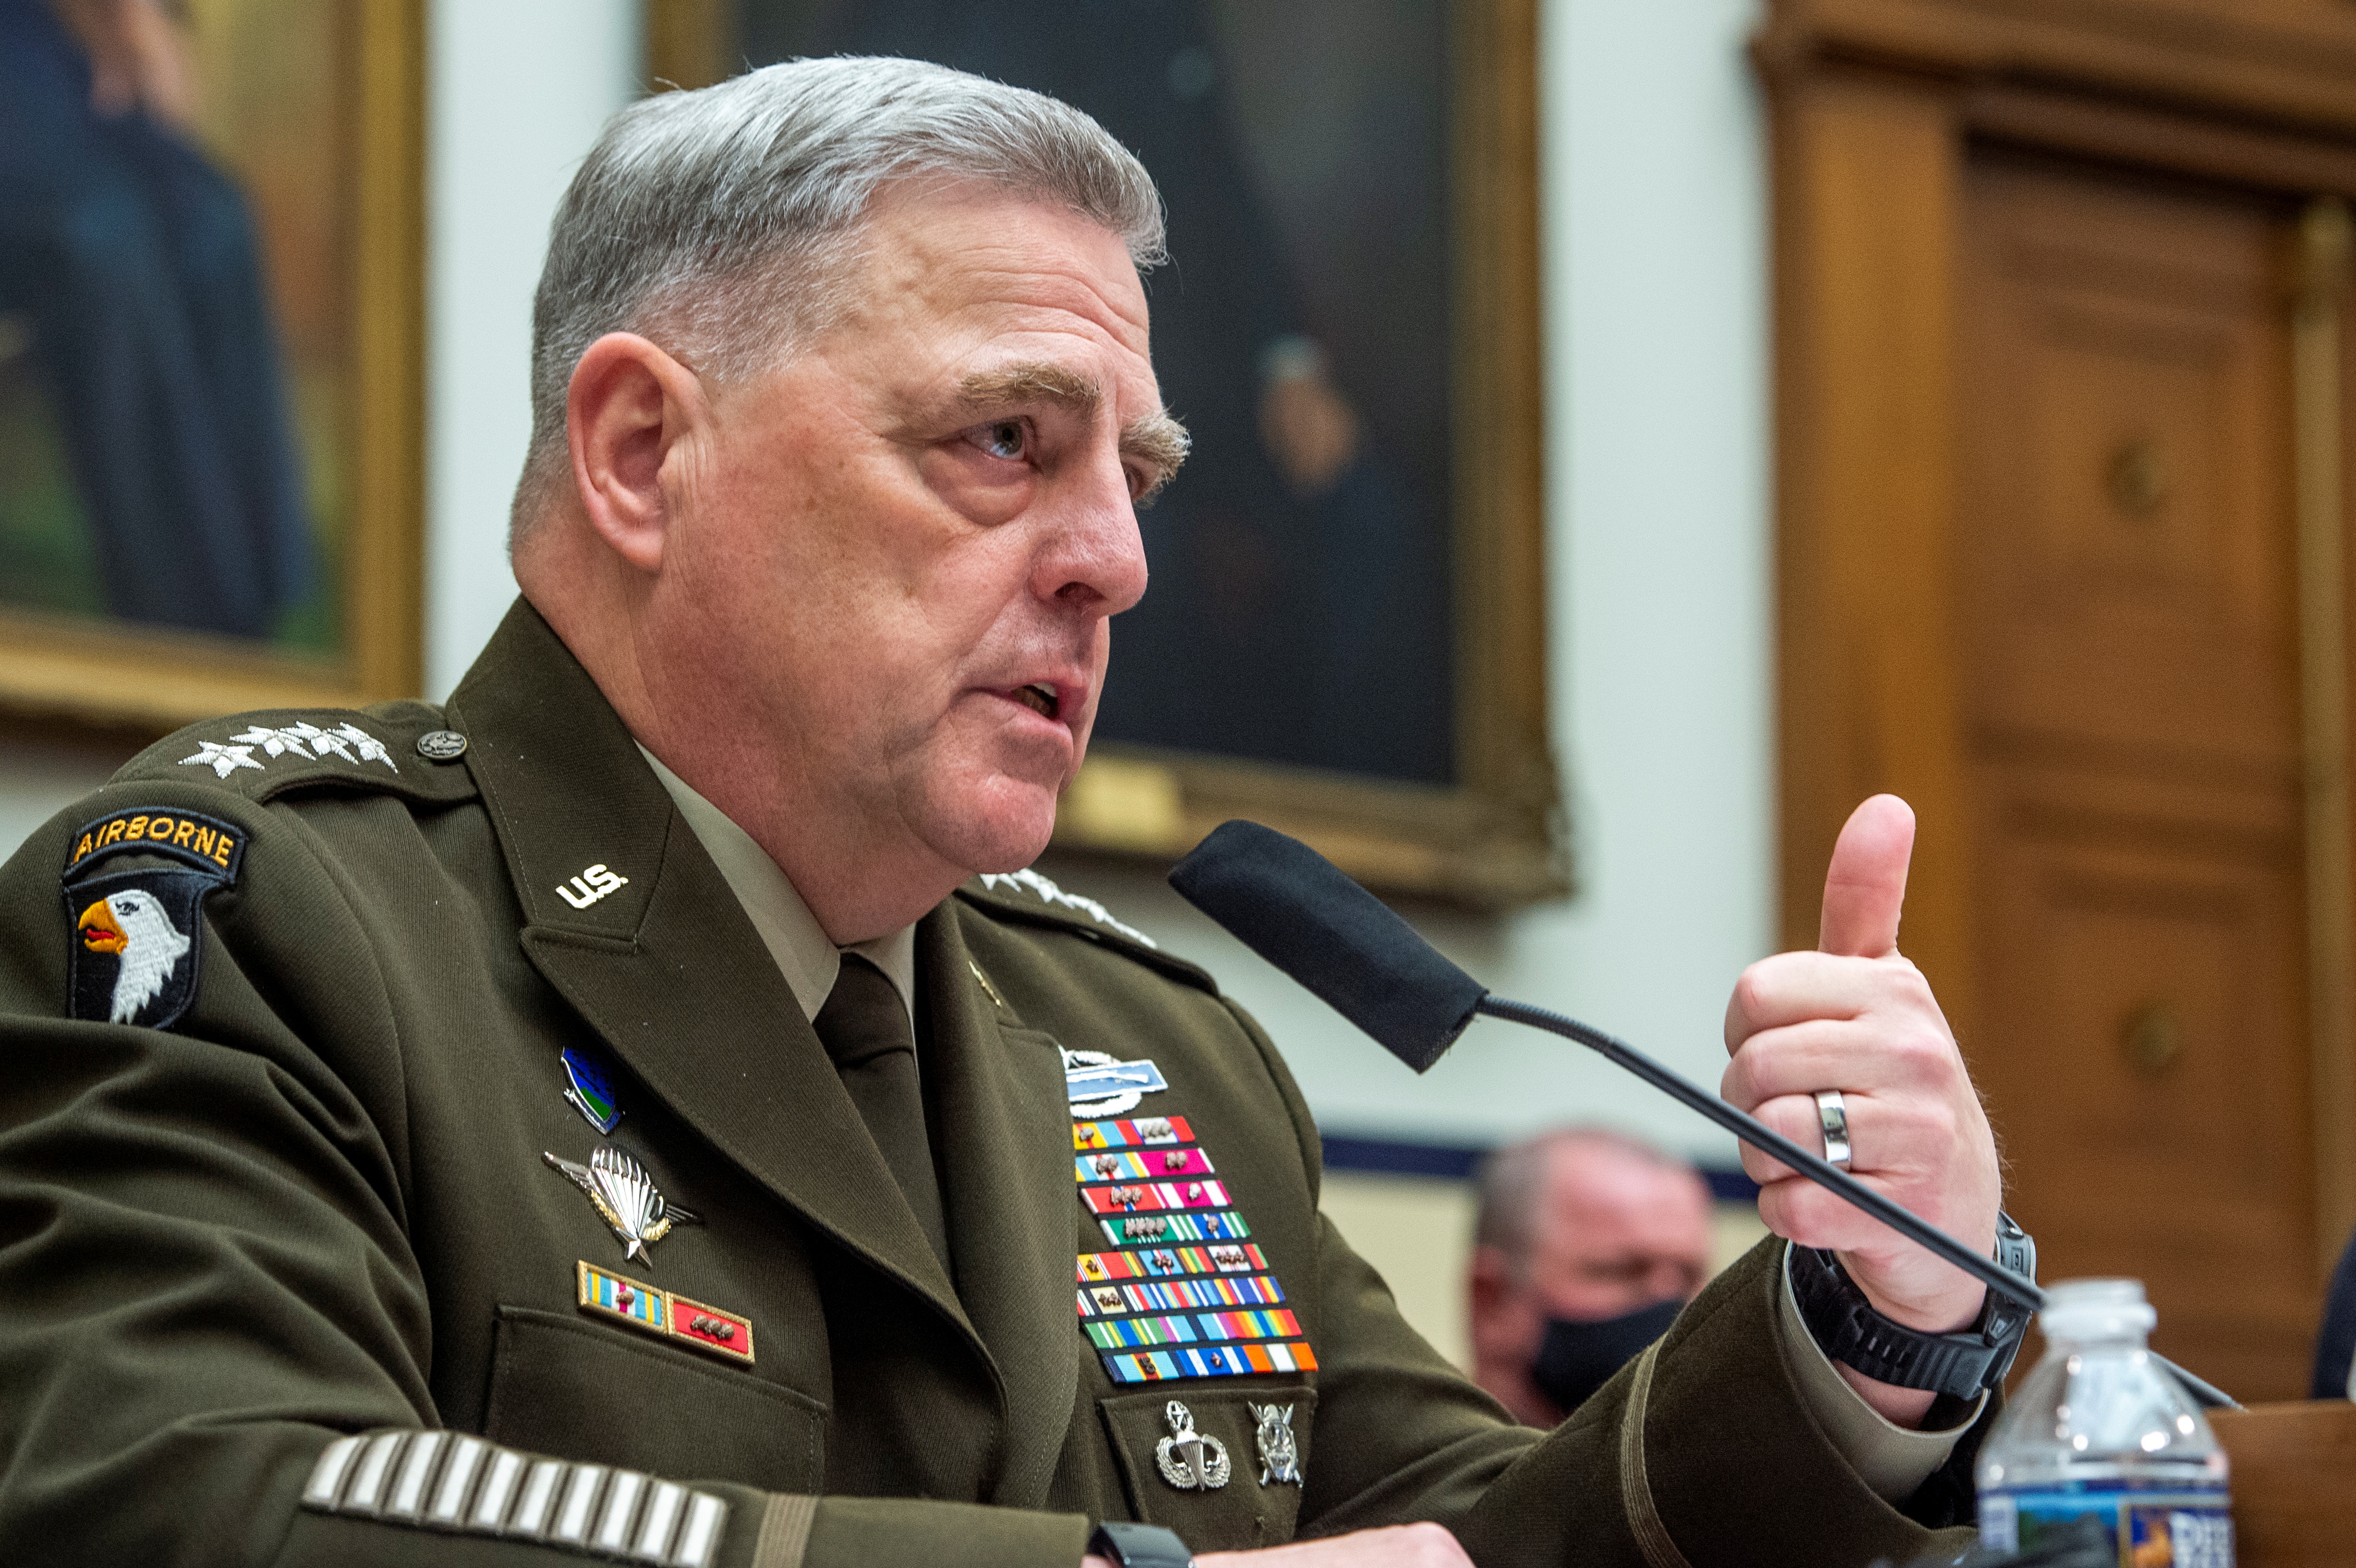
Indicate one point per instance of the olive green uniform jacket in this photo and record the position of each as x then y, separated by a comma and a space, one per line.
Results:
316, 1205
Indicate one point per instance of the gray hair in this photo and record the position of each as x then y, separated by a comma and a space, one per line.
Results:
720, 222
1509, 1180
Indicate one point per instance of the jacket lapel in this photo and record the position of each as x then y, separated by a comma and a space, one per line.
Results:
1006, 1149
664, 966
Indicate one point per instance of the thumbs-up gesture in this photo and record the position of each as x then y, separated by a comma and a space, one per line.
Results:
1856, 1016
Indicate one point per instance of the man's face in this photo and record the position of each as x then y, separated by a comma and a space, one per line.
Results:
1615, 1233
1611, 1233
900, 550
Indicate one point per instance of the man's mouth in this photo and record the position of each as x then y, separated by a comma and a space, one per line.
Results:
1039, 697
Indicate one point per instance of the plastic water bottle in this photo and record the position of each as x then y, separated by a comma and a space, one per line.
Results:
2101, 1430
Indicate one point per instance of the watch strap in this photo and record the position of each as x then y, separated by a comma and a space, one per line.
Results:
1962, 1364
1140, 1545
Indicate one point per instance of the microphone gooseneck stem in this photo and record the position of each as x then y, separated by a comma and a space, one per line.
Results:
2207, 1395
1759, 1137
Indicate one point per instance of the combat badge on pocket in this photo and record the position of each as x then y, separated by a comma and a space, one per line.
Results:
134, 932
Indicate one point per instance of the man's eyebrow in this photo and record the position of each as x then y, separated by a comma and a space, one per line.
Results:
1029, 384
1162, 442
1156, 438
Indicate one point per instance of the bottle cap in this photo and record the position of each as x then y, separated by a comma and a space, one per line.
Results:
2095, 1309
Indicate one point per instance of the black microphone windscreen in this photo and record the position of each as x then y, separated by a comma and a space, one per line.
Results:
1295, 909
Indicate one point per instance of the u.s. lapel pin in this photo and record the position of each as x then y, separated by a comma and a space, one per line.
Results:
624, 1197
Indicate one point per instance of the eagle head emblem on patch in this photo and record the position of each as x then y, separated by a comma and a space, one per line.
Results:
147, 948
135, 952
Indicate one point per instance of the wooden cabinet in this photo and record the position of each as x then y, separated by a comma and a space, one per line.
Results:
2060, 409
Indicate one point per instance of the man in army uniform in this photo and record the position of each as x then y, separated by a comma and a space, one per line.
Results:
608, 1116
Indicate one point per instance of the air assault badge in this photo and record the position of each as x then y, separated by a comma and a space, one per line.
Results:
135, 929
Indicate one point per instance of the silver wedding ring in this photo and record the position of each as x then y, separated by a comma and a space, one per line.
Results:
1832, 1115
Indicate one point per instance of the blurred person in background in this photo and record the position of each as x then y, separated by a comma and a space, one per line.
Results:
1587, 1243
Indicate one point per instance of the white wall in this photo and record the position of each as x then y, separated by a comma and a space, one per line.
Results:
1657, 415
518, 90
1662, 583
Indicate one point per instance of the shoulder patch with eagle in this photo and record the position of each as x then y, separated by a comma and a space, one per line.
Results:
136, 951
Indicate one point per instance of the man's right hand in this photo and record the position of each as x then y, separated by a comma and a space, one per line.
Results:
1398, 1546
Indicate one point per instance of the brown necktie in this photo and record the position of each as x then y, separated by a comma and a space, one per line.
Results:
865, 1030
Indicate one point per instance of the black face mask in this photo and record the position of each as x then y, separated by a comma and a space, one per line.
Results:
1576, 1359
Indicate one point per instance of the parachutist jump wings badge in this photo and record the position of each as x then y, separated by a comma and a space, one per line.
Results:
624, 1197
1189, 1460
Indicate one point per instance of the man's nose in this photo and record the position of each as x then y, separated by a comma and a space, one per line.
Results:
1094, 558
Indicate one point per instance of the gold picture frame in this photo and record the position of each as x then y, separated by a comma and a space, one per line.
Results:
1494, 839
101, 669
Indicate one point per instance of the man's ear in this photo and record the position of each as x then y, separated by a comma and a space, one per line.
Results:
628, 407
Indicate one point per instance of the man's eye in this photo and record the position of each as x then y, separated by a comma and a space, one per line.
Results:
1613, 1271
1002, 438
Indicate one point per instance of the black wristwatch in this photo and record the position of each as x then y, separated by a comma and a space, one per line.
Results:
1961, 1364
1139, 1546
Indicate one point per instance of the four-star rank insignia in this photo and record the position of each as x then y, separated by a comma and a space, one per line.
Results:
137, 930
346, 740
624, 1197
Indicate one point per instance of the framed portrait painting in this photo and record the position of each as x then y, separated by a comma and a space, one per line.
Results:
1344, 632
211, 355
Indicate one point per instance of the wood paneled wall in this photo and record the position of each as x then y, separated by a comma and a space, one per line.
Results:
2126, 890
